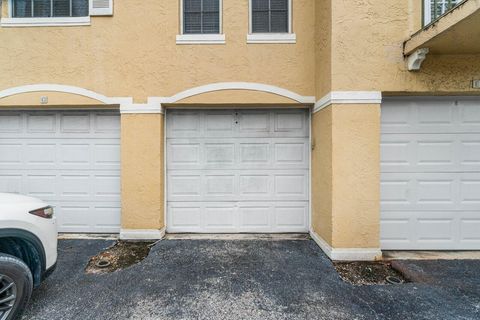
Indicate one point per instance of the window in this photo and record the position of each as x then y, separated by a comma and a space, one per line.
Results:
270, 16
49, 8
201, 16
436, 8
271, 22
201, 22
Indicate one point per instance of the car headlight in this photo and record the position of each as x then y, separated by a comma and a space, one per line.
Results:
45, 212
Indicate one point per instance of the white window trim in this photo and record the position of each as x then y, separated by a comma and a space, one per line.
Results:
272, 38
202, 38
45, 22
42, 21
427, 12
288, 37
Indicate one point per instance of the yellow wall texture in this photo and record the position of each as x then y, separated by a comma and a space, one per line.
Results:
323, 47
367, 51
322, 171
142, 171
346, 175
134, 53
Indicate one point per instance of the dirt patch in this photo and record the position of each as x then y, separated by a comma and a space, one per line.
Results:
368, 273
121, 255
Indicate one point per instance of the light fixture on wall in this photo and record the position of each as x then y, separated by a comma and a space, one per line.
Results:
476, 84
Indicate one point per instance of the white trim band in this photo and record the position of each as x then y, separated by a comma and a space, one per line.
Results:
234, 86
200, 39
348, 97
45, 22
64, 89
272, 38
142, 234
347, 254
141, 108
154, 104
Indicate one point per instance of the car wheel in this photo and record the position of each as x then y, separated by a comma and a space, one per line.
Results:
16, 284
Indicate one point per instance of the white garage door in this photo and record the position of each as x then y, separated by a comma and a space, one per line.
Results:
70, 159
430, 185
235, 171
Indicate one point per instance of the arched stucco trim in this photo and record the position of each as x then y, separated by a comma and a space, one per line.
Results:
64, 89
235, 86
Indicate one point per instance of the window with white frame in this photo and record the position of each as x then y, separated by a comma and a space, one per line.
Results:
436, 8
270, 16
201, 16
49, 8
270, 22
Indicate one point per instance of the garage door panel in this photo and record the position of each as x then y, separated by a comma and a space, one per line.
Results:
75, 123
11, 182
185, 124
71, 159
221, 154
45, 123
11, 122
231, 217
430, 153
427, 229
237, 185
430, 182
238, 153
249, 123
219, 124
10, 153
106, 124
84, 217
469, 228
430, 191
237, 171
442, 115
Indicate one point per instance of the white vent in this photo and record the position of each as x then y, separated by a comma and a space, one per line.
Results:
101, 7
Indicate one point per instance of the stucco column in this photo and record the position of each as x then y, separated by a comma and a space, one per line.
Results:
142, 176
346, 181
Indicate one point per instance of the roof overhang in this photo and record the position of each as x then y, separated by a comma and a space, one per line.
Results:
457, 32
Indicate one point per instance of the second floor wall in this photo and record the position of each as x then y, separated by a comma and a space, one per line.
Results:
135, 52
338, 45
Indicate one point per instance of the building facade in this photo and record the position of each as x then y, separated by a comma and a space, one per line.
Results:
357, 122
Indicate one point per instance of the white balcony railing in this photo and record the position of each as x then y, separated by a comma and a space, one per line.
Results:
434, 9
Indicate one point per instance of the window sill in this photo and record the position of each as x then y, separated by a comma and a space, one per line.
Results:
45, 22
272, 38
201, 39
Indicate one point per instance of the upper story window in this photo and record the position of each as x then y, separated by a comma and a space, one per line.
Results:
49, 8
270, 16
436, 8
271, 22
54, 13
201, 22
201, 16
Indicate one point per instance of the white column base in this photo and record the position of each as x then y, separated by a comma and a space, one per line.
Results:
347, 254
142, 234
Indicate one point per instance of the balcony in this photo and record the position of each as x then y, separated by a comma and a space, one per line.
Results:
450, 27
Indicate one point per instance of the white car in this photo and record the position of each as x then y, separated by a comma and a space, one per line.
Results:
28, 250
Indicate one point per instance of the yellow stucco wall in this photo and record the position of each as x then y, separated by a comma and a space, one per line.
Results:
134, 53
346, 175
367, 51
322, 171
356, 175
142, 171
323, 47
341, 45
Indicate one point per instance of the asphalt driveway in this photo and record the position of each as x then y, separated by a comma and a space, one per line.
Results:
247, 279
